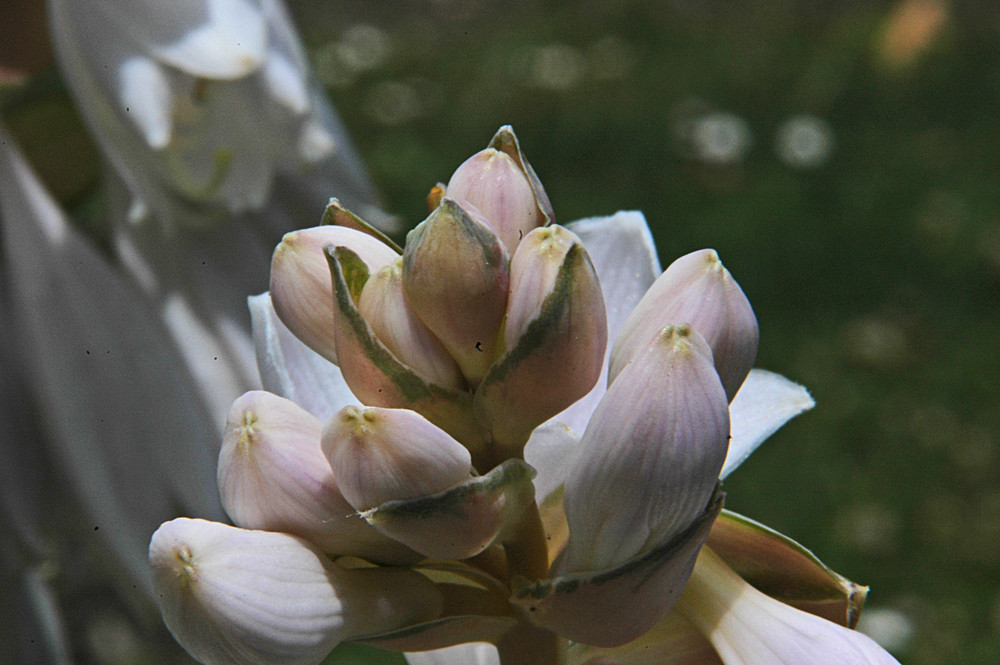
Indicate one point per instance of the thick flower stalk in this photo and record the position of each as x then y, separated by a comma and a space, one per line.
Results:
473, 454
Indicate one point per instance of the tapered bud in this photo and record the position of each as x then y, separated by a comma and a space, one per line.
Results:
397, 326
649, 460
301, 287
237, 597
379, 455
497, 186
555, 335
273, 476
747, 627
455, 276
698, 290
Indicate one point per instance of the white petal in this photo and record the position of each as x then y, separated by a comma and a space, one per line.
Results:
622, 251
764, 403
286, 83
145, 95
301, 285
234, 596
273, 476
129, 433
551, 450
695, 289
473, 653
209, 38
214, 39
649, 460
291, 369
747, 627
624, 256
381, 455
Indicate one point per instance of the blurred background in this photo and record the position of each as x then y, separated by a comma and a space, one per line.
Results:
844, 160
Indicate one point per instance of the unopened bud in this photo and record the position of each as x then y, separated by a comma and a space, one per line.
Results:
273, 476
455, 276
301, 286
555, 336
496, 185
396, 325
379, 455
662, 430
698, 290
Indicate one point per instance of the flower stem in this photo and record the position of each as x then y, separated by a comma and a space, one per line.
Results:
527, 555
525, 644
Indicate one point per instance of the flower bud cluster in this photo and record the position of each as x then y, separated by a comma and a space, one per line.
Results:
411, 520
488, 323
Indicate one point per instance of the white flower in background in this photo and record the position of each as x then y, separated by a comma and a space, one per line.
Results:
200, 105
541, 491
218, 142
804, 141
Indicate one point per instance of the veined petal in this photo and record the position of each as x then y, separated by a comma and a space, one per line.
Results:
747, 627
650, 458
555, 336
233, 596
621, 249
291, 369
380, 455
273, 476
301, 287
698, 290
764, 403
455, 276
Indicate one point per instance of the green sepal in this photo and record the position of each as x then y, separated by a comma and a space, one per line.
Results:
506, 141
337, 215
784, 569
464, 520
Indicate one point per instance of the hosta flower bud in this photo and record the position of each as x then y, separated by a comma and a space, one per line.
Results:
301, 287
661, 433
394, 322
555, 335
273, 476
236, 597
455, 275
496, 185
698, 290
379, 455
747, 627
